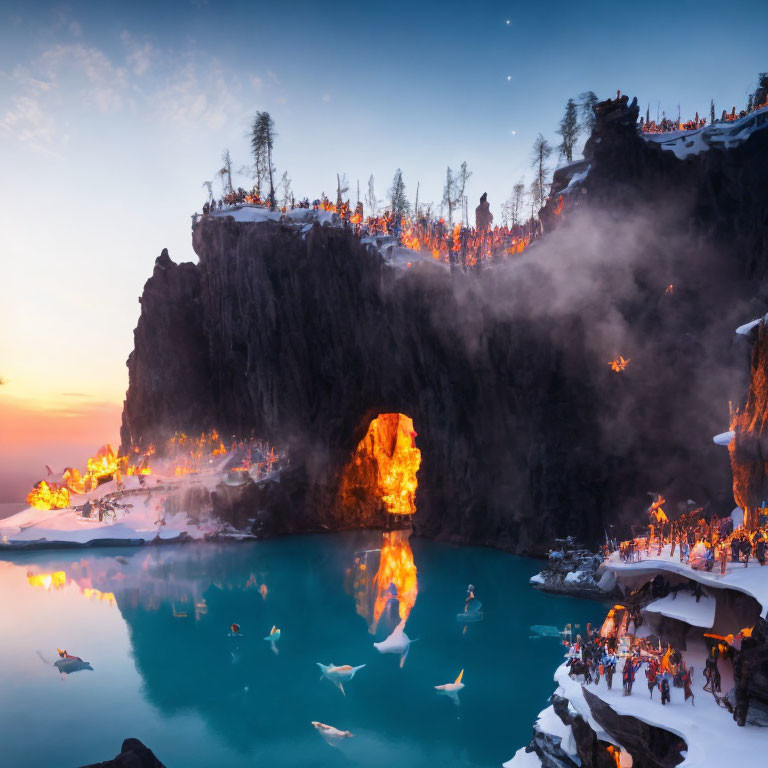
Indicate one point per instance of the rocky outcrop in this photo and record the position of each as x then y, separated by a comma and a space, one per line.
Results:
592, 752
525, 432
722, 189
750, 672
650, 747
133, 754
575, 571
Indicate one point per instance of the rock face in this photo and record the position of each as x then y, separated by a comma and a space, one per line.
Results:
592, 752
525, 432
722, 189
650, 747
132, 755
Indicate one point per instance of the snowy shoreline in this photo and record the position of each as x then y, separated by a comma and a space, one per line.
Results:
706, 728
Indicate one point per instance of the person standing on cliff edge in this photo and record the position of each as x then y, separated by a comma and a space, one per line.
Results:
483, 215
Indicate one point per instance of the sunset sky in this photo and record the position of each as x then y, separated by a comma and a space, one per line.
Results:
113, 114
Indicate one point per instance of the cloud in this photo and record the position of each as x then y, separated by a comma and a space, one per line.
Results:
189, 99
139, 56
90, 71
189, 88
28, 123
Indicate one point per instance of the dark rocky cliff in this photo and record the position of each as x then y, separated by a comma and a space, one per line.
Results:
524, 430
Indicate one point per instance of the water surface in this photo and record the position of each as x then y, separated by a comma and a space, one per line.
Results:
154, 624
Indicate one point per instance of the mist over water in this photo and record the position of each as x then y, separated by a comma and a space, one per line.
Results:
166, 672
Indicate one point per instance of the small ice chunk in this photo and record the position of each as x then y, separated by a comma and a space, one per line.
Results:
724, 438
743, 330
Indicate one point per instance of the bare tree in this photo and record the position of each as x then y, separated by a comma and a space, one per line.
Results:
450, 194
464, 175
226, 173
416, 203
342, 187
453, 191
541, 152
209, 187
512, 208
286, 195
534, 194
370, 199
518, 198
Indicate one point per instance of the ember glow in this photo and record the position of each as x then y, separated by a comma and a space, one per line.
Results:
619, 364
656, 512
48, 496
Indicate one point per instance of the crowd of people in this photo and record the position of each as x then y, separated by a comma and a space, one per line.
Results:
703, 544
616, 648
667, 125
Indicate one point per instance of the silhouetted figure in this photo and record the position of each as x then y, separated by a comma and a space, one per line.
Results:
483, 215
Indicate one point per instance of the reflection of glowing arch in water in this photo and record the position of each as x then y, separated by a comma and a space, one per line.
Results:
58, 580
394, 579
396, 567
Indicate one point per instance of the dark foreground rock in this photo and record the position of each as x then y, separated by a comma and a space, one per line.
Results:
132, 755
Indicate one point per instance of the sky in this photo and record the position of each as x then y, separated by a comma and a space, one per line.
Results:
112, 115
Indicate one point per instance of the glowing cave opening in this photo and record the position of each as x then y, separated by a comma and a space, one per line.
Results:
381, 475
386, 461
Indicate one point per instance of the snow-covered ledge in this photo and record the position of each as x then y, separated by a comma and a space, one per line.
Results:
751, 581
